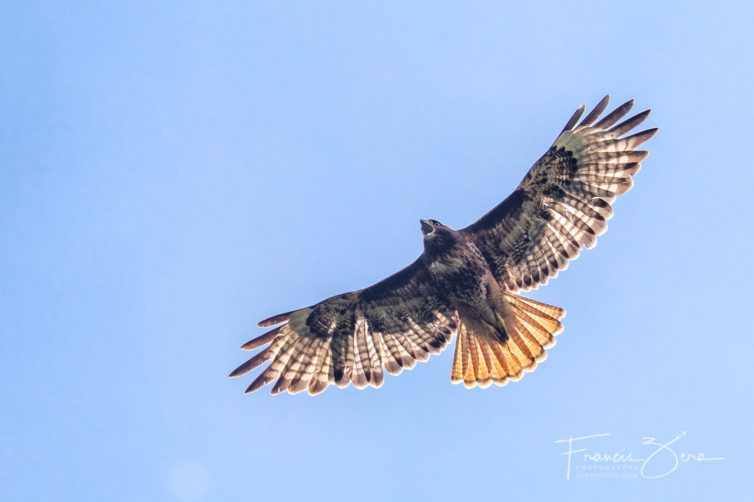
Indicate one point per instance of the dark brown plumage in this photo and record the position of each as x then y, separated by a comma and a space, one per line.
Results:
466, 281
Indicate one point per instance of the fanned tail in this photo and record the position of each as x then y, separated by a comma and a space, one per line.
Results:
482, 359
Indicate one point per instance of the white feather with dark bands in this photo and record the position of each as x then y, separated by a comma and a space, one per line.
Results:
351, 338
564, 201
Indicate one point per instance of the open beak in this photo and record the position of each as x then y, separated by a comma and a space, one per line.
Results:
426, 227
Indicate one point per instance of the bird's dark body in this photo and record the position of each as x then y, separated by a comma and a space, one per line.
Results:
459, 269
456, 266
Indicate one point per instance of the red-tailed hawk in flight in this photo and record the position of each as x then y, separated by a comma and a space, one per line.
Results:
467, 281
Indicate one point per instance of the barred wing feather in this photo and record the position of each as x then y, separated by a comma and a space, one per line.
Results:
351, 338
564, 201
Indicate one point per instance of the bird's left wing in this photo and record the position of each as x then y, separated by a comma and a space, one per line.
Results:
564, 201
351, 337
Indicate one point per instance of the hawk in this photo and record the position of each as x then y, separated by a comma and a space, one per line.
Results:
466, 282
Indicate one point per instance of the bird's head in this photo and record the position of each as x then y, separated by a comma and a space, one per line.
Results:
436, 234
429, 227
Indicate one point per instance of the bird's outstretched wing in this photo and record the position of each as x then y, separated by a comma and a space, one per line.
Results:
564, 201
349, 338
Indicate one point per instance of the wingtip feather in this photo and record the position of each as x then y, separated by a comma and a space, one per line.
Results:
614, 116
276, 319
574, 118
596, 112
264, 339
630, 123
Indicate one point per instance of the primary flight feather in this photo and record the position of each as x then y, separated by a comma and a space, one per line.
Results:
466, 282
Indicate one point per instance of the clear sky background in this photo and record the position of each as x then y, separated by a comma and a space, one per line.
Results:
173, 172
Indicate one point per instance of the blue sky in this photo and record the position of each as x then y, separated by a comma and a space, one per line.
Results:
173, 172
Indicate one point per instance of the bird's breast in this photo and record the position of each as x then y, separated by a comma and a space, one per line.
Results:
459, 273
446, 264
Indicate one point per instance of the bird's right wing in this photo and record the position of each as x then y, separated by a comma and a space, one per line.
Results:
349, 338
564, 201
